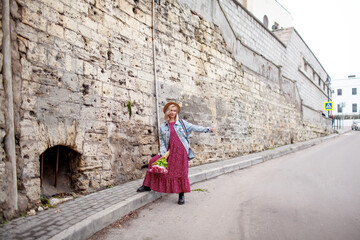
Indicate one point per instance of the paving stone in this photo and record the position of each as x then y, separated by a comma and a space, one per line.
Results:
38, 234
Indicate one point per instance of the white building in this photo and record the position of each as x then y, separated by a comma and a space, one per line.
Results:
300, 65
346, 99
270, 12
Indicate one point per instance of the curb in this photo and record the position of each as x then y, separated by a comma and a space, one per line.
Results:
89, 226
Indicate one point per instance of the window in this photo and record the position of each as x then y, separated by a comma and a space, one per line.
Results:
339, 108
266, 21
339, 92
354, 91
354, 108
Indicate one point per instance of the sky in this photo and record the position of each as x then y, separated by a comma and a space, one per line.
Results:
331, 28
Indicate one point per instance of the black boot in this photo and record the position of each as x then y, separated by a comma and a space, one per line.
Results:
143, 189
181, 199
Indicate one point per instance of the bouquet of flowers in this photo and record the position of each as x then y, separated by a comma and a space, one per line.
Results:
160, 166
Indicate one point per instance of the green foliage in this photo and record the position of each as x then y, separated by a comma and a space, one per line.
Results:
3, 222
109, 186
161, 162
129, 108
45, 202
199, 190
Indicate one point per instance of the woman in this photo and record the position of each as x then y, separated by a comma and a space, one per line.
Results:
175, 147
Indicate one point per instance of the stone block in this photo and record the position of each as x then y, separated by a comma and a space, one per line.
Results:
90, 149
56, 5
85, 31
106, 164
104, 31
90, 69
71, 81
126, 7
32, 189
73, 38
110, 22
147, 150
22, 202
104, 150
34, 19
37, 53
70, 24
80, 6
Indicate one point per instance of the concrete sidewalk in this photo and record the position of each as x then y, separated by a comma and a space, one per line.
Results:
84, 216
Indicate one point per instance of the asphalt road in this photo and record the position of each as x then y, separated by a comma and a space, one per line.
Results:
312, 194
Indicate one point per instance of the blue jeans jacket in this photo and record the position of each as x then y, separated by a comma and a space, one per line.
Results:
165, 134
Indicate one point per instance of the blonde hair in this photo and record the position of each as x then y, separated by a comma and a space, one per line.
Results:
167, 112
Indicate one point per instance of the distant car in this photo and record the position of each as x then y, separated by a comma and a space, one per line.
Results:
355, 125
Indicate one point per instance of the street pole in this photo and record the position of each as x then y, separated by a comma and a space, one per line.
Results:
9, 113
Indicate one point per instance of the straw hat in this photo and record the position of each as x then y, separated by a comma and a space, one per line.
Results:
172, 103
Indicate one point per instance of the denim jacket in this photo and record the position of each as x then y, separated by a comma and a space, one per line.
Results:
165, 134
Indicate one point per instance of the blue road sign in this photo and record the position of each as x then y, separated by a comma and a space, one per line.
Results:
328, 106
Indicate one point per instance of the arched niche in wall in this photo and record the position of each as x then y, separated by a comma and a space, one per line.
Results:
58, 170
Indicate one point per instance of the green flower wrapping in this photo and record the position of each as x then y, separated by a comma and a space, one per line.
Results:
161, 162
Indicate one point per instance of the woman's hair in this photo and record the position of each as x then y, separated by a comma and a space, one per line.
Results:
167, 112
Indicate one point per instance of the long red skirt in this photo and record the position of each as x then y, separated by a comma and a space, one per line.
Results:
176, 180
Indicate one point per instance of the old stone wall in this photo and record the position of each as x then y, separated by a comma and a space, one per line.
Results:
85, 80
249, 42
80, 64
277, 56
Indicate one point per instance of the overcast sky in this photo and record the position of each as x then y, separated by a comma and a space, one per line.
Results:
331, 28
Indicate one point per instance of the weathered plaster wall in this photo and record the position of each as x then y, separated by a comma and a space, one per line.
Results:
77, 65
310, 79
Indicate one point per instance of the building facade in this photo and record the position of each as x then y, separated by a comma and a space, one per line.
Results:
280, 56
346, 99
271, 13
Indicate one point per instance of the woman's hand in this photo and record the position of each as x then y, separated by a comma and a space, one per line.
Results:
166, 155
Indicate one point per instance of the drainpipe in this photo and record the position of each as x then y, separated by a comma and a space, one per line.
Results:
9, 112
155, 76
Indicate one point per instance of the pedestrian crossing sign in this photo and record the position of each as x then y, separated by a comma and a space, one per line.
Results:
328, 106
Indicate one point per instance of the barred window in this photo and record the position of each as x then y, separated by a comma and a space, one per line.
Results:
339, 92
